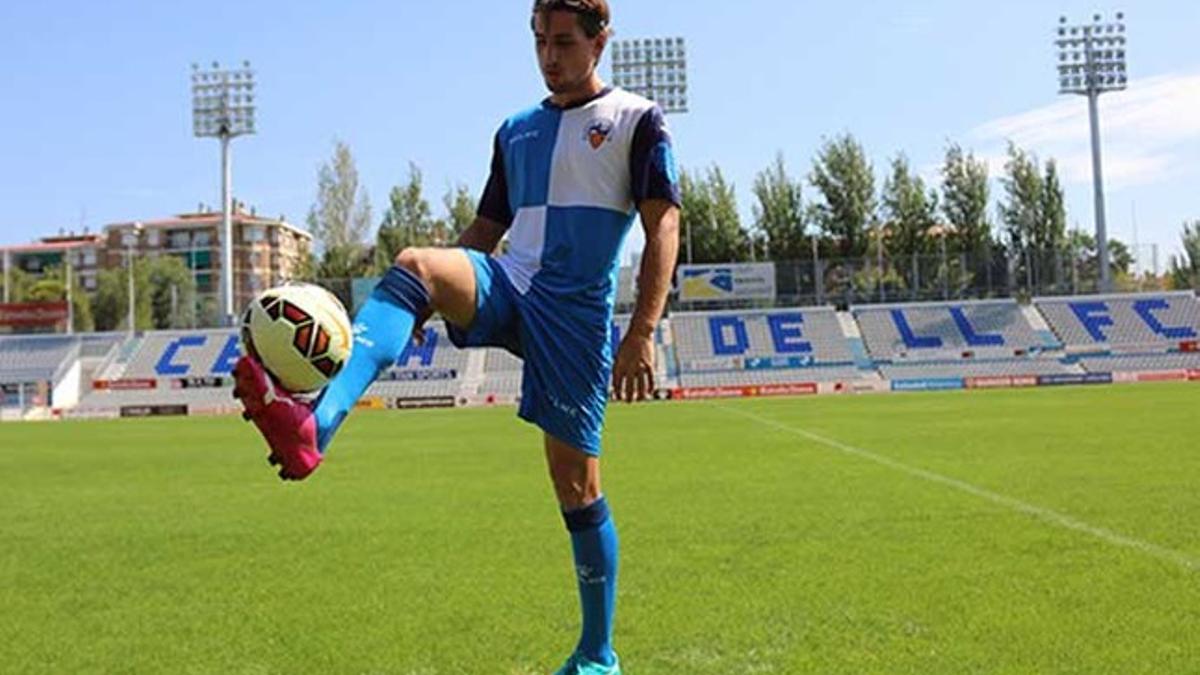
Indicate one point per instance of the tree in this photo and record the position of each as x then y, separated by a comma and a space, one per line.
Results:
1051, 236
845, 181
1052, 232
20, 282
965, 195
51, 286
779, 214
110, 305
460, 210
1021, 211
407, 222
710, 217
1120, 258
1035, 218
1185, 268
340, 217
910, 213
172, 291
1085, 260
306, 268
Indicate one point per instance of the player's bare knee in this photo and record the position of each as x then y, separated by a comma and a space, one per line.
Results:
414, 260
574, 485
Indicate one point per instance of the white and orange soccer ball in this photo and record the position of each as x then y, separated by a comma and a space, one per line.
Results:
300, 333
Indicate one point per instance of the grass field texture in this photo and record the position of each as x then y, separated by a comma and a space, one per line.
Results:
1033, 531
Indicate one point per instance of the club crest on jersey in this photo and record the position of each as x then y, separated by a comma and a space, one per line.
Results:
598, 132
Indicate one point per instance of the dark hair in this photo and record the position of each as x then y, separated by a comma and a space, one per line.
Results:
593, 14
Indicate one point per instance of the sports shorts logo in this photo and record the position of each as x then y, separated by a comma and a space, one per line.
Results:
598, 132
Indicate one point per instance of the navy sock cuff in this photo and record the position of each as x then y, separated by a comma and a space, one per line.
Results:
403, 289
588, 518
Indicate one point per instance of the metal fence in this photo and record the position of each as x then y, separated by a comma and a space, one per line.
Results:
913, 278
918, 278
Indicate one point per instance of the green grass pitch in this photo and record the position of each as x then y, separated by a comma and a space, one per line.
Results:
1033, 531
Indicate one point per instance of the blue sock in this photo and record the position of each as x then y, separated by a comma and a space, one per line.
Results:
594, 540
382, 328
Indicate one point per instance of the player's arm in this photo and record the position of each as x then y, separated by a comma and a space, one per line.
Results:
495, 214
633, 372
655, 189
484, 235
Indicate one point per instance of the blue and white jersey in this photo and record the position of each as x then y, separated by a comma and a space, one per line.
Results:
567, 183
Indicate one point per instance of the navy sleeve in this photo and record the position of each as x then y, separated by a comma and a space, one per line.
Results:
652, 160
494, 204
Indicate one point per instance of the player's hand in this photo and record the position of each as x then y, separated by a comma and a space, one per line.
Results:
633, 373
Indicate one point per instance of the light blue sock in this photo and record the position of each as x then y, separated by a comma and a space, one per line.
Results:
382, 328
594, 541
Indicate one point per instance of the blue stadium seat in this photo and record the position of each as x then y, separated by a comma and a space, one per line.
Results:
1161, 319
987, 328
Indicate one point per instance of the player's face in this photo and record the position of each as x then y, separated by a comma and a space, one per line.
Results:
566, 55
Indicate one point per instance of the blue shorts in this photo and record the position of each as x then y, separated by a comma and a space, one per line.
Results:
566, 348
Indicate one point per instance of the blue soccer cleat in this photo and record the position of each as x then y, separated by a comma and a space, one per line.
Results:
580, 665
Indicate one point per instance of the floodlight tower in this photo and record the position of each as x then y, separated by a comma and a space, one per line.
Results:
223, 107
655, 68
1091, 61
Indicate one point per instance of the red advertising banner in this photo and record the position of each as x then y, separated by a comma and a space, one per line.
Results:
1194, 375
32, 314
124, 385
700, 393
696, 393
1164, 376
800, 389
999, 382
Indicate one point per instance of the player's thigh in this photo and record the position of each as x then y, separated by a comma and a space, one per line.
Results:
450, 277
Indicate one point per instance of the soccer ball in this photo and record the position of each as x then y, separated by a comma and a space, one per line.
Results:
300, 333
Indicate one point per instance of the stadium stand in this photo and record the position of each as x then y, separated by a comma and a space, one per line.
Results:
1115, 363
171, 354
38, 372
763, 347
1156, 333
734, 378
98, 345
35, 359
502, 376
987, 328
169, 358
433, 369
809, 332
1158, 320
968, 368
164, 392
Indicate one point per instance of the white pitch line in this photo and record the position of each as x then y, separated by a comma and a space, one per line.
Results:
1048, 515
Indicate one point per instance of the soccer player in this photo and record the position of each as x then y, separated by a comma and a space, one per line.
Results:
567, 178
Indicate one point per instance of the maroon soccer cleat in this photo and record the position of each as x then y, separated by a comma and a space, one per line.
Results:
287, 424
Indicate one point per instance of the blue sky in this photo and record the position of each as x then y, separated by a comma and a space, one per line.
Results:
97, 105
